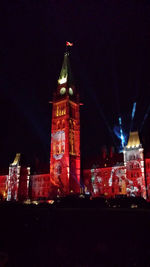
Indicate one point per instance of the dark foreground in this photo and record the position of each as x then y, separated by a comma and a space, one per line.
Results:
42, 236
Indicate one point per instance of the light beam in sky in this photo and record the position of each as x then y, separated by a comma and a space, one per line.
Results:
132, 116
120, 134
133, 110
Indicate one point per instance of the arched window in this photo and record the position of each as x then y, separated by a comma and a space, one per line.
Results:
63, 110
63, 124
59, 111
58, 125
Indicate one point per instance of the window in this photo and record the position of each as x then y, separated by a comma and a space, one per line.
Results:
63, 112
58, 125
57, 111
63, 124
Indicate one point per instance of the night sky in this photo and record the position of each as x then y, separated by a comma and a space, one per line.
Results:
110, 62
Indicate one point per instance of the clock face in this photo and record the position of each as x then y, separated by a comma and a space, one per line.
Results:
62, 90
70, 91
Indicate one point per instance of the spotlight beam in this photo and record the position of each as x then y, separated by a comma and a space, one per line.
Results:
133, 110
89, 85
132, 116
121, 133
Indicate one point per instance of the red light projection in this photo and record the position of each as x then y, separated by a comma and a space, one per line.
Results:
147, 178
65, 135
3, 187
126, 178
23, 190
65, 147
107, 182
113, 181
40, 186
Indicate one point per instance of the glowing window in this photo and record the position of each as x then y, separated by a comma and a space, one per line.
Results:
63, 110
57, 111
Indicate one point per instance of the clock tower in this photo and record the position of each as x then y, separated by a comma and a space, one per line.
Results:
65, 134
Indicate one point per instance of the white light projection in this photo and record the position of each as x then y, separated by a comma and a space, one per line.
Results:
118, 177
96, 181
58, 140
132, 189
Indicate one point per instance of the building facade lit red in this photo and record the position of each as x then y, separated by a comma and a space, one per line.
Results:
130, 175
65, 134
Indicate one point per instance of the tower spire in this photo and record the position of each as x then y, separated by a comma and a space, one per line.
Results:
65, 134
65, 76
66, 85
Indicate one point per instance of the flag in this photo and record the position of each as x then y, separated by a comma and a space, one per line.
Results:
69, 44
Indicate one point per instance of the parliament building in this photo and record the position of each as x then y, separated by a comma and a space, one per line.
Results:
128, 174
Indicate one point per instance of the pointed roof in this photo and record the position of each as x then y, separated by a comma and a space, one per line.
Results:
16, 160
134, 140
65, 74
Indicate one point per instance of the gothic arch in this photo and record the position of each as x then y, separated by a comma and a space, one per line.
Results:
58, 125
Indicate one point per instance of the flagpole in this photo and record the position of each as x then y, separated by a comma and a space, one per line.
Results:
68, 44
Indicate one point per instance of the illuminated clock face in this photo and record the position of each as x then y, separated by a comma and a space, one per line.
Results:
70, 91
62, 90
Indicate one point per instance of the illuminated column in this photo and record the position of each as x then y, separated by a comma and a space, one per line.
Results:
9, 186
28, 180
17, 183
13, 179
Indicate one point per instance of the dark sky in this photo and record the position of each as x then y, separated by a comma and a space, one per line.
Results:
110, 61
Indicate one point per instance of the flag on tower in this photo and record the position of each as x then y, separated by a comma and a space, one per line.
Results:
69, 44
